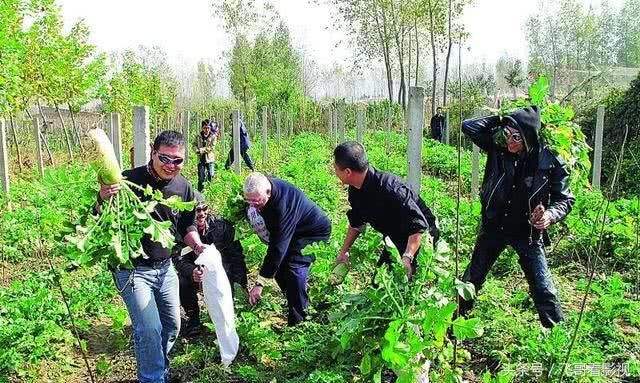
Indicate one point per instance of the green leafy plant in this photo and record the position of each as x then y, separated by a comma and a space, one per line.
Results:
115, 233
402, 325
564, 137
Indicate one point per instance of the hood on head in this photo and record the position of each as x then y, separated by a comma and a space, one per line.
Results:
527, 121
199, 198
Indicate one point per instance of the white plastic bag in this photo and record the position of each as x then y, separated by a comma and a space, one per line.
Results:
217, 296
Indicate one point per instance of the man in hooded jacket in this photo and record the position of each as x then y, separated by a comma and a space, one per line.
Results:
525, 190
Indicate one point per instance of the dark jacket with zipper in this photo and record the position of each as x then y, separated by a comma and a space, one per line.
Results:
221, 234
546, 179
289, 215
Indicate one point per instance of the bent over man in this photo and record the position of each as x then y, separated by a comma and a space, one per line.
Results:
385, 202
524, 191
283, 216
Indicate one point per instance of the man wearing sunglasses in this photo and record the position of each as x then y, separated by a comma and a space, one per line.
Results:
150, 289
213, 231
524, 191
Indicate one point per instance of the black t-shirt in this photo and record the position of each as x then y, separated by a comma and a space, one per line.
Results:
386, 203
182, 222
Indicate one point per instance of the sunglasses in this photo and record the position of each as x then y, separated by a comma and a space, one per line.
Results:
515, 136
202, 208
170, 161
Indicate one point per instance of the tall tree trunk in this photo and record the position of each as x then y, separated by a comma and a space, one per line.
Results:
554, 50
409, 60
435, 64
403, 85
398, 34
76, 131
386, 51
15, 141
446, 65
42, 136
387, 66
415, 26
66, 134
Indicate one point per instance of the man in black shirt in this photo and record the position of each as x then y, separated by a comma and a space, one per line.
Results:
213, 231
287, 220
150, 290
438, 123
524, 191
385, 202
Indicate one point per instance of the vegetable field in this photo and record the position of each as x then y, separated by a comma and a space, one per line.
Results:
356, 332
399, 76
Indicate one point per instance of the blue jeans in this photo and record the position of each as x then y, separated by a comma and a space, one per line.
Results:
531, 256
152, 299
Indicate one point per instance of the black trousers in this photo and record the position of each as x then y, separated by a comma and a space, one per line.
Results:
293, 276
532, 260
189, 296
189, 289
245, 157
436, 134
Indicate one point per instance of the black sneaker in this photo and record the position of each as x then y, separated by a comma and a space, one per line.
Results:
191, 327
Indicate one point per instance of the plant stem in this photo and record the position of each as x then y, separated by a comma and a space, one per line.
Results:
58, 280
597, 255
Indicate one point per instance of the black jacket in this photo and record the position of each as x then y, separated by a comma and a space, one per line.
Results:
220, 233
548, 184
390, 207
437, 126
289, 215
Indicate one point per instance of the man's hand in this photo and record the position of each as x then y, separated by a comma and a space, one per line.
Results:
197, 275
544, 221
540, 218
343, 257
108, 191
406, 262
199, 248
255, 294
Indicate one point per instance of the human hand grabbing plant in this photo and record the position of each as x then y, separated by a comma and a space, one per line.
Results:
123, 218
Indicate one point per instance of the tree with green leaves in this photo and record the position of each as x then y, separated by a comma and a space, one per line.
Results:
275, 73
455, 34
510, 70
368, 24
571, 42
629, 34
143, 78
239, 17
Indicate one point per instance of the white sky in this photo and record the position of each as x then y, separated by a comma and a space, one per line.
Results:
188, 31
